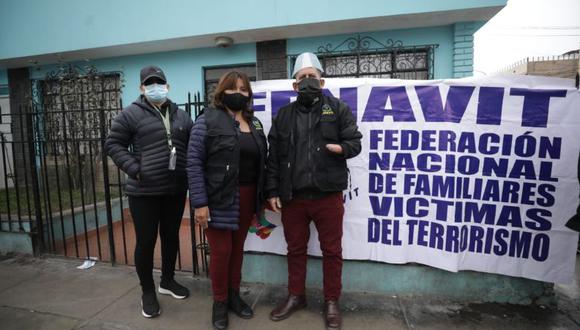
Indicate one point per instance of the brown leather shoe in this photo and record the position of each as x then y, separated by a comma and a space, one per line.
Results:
292, 304
332, 317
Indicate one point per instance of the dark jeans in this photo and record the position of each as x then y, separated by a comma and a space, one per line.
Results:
153, 214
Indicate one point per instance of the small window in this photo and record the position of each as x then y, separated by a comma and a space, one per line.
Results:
213, 75
4, 105
358, 57
3, 90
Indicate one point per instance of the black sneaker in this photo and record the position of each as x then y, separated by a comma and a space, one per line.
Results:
238, 306
173, 288
219, 315
149, 305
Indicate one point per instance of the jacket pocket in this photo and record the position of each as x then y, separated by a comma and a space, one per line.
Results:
143, 162
214, 187
336, 177
220, 187
285, 178
329, 130
221, 143
283, 146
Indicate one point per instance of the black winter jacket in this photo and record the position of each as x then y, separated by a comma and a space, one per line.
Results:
331, 123
137, 143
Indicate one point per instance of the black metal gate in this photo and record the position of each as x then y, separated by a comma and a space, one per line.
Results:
60, 186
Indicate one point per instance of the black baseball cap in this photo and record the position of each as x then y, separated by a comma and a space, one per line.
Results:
152, 71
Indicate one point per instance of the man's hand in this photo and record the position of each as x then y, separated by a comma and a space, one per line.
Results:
202, 216
335, 148
275, 204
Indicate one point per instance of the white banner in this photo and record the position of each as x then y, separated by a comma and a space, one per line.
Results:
460, 174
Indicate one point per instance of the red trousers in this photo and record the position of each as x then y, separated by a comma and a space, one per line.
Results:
227, 248
327, 214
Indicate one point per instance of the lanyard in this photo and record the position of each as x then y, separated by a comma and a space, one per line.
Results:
167, 124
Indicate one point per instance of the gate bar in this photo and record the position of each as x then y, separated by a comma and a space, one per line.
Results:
39, 232
105, 162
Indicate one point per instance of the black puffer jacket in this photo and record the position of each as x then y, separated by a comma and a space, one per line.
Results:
140, 127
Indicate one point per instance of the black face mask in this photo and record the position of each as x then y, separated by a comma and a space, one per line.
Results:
235, 102
309, 91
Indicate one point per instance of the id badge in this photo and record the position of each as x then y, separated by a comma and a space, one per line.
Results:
172, 159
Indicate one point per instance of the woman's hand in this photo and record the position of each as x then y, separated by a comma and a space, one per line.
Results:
202, 216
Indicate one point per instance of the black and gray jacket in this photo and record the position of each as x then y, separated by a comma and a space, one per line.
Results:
138, 145
213, 163
330, 121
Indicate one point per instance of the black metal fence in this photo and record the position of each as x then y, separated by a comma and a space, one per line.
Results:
20, 191
59, 185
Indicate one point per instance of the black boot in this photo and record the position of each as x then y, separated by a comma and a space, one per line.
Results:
238, 306
219, 315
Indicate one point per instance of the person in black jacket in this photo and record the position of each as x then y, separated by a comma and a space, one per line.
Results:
226, 171
310, 141
574, 222
148, 141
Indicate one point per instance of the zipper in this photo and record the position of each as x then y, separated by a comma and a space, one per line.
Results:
309, 146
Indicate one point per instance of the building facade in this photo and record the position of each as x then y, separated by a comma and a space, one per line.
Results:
195, 42
409, 40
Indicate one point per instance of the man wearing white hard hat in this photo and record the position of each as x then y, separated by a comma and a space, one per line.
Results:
310, 141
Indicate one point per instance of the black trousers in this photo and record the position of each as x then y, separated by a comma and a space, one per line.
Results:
153, 214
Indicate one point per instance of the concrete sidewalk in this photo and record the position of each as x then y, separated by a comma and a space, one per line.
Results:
53, 294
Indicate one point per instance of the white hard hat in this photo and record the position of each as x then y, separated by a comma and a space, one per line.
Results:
306, 60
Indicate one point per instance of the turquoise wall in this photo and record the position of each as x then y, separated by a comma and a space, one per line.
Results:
15, 243
55, 226
441, 35
407, 280
3, 77
183, 69
68, 25
3, 83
